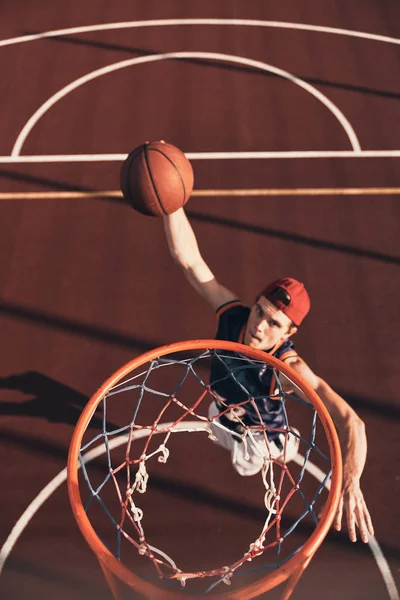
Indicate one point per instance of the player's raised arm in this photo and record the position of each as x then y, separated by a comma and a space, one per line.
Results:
184, 250
353, 441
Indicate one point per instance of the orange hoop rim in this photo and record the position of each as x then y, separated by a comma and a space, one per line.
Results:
269, 581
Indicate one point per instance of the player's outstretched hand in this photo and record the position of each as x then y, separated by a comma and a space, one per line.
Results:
352, 503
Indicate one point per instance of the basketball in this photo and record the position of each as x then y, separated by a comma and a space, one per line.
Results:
156, 179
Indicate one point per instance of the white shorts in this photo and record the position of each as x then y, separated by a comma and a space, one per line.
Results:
249, 458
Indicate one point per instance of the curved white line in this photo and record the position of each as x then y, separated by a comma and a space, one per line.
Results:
55, 483
376, 550
179, 55
208, 22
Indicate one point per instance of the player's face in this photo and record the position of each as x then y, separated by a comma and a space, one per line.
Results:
266, 326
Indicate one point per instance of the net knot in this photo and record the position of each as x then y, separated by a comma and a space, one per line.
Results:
141, 479
164, 454
211, 436
181, 578
269, 500
255, 549
137, 513
227, 575
142, 549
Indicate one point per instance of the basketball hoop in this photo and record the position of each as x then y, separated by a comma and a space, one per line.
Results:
163, 395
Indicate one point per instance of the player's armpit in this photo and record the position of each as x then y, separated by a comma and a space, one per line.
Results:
302, 369
342, 414
203, 280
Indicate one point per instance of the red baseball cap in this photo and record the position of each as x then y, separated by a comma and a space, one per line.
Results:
290, 296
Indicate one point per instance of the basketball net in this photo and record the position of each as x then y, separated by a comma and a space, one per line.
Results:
173, 381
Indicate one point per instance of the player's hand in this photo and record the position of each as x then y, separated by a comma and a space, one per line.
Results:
352, 503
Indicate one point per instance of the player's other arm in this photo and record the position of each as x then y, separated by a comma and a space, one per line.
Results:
353, 441
184, 250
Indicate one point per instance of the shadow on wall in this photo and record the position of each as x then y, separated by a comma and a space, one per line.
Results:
215, 64
49, 399
294, 237
53, 184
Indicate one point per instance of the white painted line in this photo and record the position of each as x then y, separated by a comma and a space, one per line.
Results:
294, 154
41, 498
183, 55
384, 568
291, 154
55, 483
62, 158
376, 550
207, 22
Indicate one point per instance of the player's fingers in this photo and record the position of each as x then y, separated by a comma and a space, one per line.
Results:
360, 516
339, 514
367, 521
351, 520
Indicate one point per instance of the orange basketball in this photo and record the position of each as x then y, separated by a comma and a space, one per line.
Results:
156, 179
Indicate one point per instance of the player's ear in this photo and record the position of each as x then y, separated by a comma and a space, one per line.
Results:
291, 331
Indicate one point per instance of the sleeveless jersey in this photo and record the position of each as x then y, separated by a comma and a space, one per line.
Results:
250, 378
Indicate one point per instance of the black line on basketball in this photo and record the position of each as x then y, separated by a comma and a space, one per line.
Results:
151, 177
176, 169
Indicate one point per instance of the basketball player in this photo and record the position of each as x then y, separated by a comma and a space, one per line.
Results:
269, 326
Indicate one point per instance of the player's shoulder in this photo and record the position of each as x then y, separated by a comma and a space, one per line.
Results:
231, 316
302, 368
297, 364
287, 352
231, 308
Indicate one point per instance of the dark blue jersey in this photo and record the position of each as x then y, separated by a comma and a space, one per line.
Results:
235, 378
